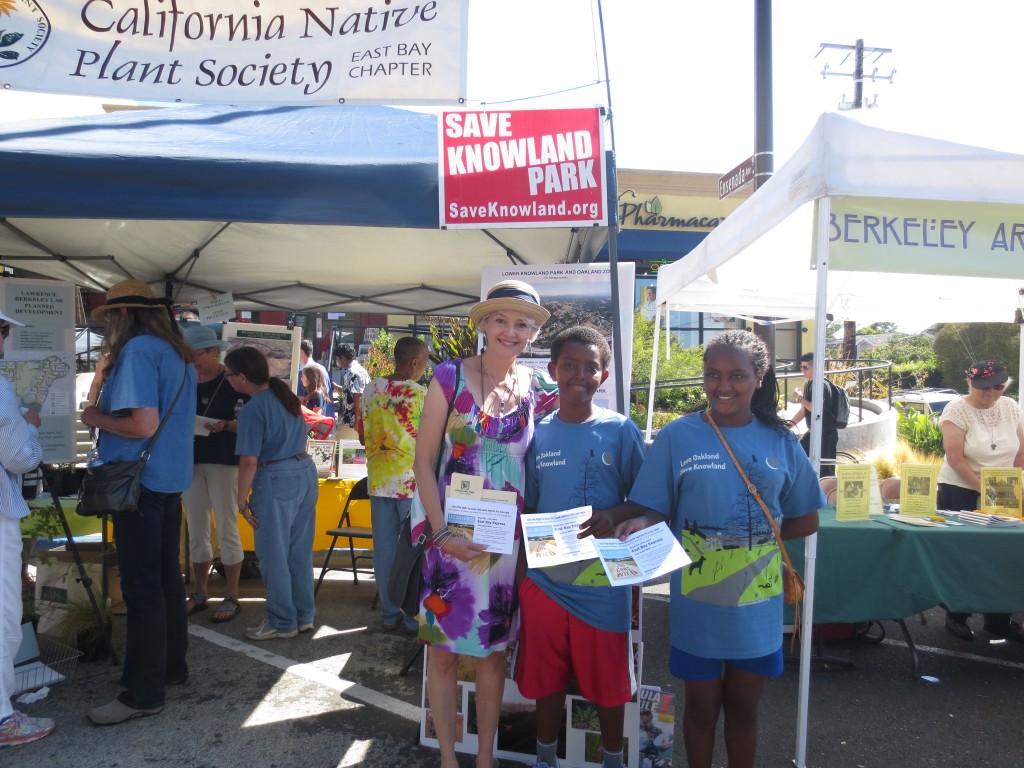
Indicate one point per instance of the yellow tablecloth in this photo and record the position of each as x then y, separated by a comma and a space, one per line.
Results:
333, 494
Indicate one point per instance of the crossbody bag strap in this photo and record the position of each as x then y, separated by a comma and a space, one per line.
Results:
753, 490
149, 446
451, 404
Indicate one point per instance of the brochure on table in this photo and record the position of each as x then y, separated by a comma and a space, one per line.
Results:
918, 489
858, 496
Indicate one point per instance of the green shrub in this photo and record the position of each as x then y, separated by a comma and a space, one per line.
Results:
921, 431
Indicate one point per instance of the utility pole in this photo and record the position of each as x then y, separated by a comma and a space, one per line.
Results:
764, 136
858, 51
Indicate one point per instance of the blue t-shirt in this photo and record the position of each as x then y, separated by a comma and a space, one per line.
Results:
266, 430
147, 375
572, 465
728, 602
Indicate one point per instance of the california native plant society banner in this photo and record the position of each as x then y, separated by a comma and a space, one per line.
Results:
238, 51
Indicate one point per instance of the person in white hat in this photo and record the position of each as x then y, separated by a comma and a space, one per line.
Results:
479, 415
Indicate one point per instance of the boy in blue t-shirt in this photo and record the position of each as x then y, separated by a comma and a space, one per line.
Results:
573, 623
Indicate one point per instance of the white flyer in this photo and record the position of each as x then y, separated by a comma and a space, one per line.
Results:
551, 538
491, 523
645, 555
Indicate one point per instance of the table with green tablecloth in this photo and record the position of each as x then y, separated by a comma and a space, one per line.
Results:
885, 569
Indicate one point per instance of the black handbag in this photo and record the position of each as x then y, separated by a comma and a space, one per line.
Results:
115, 487
405, 579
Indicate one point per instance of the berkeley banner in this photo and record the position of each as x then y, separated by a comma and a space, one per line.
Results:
238, 51
932, 237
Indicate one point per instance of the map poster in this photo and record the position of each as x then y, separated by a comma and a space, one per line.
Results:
39, 359
576, 294
278, 343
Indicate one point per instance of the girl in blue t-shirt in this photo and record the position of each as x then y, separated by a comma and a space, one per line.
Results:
726, 606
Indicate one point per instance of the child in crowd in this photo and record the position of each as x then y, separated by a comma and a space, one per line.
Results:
573, 623
726, 607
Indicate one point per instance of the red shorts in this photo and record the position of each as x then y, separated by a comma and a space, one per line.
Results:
555, 646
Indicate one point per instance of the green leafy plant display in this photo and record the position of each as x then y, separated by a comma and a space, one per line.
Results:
452, 339
921, 431
380, 359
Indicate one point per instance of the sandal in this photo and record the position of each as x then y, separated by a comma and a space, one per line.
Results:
195, 604
226, 611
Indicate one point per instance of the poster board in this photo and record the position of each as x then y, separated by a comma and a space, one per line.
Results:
1001, 491
39, 359
322, 452
576, 294
579, 738
278, 343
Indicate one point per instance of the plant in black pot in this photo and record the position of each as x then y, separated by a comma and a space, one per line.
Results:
79, 627
65, 479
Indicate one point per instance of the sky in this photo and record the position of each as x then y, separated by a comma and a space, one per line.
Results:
682, 71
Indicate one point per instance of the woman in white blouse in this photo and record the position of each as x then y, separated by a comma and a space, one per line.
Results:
980, 429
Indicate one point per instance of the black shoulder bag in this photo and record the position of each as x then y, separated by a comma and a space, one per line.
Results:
115, 487
406, 575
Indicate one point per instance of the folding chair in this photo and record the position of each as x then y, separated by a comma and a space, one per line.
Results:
345, 529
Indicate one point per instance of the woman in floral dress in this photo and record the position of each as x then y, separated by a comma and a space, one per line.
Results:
483, 409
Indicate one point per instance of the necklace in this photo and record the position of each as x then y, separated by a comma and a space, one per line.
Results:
498, 388
980, 415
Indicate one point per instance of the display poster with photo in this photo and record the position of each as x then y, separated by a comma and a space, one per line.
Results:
277, 343
39, 359
579, 739
576, 294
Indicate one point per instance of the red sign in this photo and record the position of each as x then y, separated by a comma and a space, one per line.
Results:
531, 168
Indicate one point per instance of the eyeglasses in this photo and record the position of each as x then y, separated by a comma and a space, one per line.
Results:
229, 374
5, 331
994, 388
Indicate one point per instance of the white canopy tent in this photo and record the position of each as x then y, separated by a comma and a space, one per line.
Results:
898, 216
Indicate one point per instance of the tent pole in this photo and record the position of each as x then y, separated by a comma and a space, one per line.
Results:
613, 274
822, 210
654, 366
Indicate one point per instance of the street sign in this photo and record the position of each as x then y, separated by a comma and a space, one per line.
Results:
738, 177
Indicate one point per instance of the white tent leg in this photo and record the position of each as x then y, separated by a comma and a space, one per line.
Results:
823, 207
654, 367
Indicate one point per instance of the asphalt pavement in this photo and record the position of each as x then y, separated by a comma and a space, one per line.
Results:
335, 698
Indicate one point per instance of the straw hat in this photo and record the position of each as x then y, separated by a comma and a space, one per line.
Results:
510, 296
129, 293
203, 337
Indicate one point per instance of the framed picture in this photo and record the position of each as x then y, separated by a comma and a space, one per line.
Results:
279, 344
322, 452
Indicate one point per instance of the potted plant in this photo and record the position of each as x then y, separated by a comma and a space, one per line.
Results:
65, 478
79, 627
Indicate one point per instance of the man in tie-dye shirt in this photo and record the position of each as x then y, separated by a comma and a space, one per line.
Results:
391, 419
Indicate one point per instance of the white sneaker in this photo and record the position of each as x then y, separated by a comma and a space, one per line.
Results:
306, 627
266, 632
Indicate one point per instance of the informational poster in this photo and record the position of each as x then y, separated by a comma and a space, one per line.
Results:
238, 51
1001, 490
918, 489
522, 168
576, 294
39, 359
853, 500
579, 743
277, 343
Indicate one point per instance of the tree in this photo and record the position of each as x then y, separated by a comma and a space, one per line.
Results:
957, 345
879, 327
380, 359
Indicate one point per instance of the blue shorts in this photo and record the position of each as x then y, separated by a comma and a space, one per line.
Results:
697, 669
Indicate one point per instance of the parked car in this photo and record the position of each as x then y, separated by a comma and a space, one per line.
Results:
926, 400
